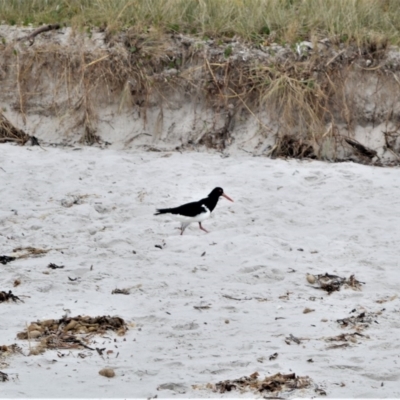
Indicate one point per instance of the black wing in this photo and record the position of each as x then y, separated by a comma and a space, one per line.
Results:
189, 209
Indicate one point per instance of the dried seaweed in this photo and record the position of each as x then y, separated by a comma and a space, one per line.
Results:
10, 349
332, 283
121, 291
360, 321
346, 338
292, 338
386, 299
6, 259
79, 324
3, 377
55, 266
275, 383
338, 346
29, 251
62, 333
353, 283
273, 356
23, 252
6, 352
5, 296
61, 341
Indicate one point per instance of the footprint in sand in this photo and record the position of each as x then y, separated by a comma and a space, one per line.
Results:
147, 372
175, 387
258, 274
235, 364
382, 376
216, 371
347, 175
186, 327
311, 178
247, 270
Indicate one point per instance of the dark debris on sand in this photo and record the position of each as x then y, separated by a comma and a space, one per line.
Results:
5, 296
332, 283
78, 325
360, 321
10, 349
6, 259
275, 383
3, 377
23, 252
55, 266
121, 291
70, 332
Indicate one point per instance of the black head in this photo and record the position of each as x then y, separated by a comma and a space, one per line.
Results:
217, 193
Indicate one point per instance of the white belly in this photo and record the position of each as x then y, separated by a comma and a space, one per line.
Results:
198, 218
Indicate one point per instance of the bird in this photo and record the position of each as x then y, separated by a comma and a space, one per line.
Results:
196, 211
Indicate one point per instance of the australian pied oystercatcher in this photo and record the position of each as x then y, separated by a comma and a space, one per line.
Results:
196, 211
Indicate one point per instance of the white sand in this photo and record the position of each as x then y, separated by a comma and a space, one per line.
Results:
345, 217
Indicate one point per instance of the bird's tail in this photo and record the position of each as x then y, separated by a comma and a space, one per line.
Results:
163, 211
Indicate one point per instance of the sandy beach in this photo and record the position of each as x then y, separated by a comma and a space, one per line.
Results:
202, 308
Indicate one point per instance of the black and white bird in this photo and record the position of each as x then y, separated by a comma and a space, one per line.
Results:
196, 211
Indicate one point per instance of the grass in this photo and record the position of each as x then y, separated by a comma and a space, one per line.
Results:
283, 21
307, 98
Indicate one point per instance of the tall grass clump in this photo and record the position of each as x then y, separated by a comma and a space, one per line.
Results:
285, 21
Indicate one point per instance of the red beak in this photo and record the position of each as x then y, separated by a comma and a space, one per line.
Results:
227, 197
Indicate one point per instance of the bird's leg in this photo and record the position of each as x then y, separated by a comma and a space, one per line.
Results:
205, 230
184, 225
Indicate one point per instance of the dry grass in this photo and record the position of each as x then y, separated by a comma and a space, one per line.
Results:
9, 133
71, 76
135, 70
281, 20
305, 97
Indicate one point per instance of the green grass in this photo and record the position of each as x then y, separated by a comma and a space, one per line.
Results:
283, 21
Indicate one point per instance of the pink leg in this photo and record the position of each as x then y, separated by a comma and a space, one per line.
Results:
205, 230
